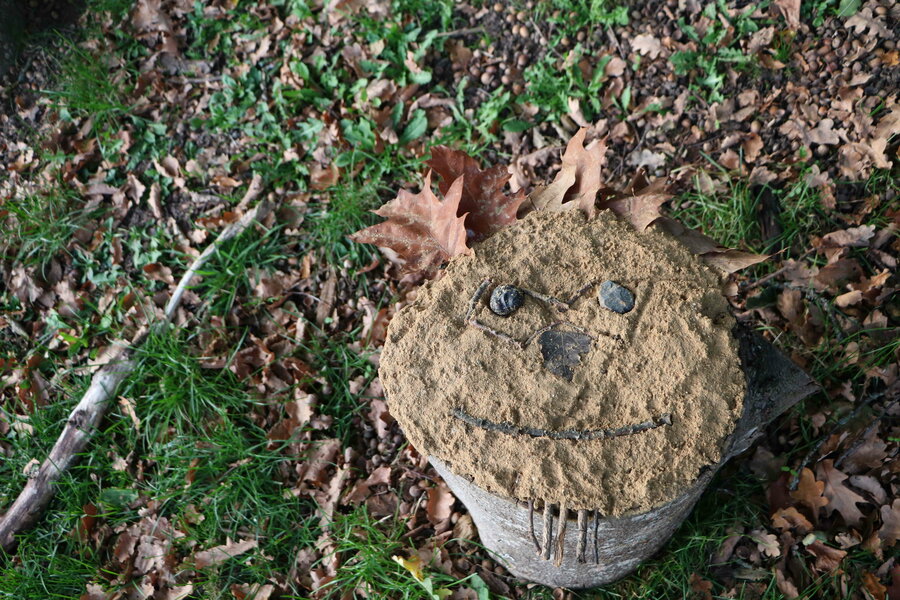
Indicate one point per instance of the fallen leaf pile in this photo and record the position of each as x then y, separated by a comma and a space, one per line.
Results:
217, 105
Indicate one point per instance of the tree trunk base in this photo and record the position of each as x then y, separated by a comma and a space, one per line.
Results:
594, 550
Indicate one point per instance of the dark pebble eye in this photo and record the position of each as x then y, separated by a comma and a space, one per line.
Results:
615, 297
506, 299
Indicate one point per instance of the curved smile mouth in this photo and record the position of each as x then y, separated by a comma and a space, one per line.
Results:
565, 434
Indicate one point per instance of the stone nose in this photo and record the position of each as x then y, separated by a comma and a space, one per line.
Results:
562, 350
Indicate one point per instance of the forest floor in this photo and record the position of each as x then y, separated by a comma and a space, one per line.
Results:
251, 453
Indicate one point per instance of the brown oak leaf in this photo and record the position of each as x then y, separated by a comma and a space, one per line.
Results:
791, 518
488, 208
423, 230
840, 497
646, 44
791, 11
641, 206
712, 253
732, 260
809, 492
864, 19
827, 558
362, 489
219, 554
440, 503
890, 517
577, 183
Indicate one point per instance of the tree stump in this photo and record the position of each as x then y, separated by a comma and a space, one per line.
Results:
616, 546
578, 383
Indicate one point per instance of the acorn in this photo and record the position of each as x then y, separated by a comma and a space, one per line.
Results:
506, 299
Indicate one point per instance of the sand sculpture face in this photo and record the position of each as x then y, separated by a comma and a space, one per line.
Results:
561, 344
610, 382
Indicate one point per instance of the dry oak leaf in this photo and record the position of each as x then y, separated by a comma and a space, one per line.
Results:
488, 208
827, 558
864, 19
790, 518
890, 517
809, 491
824, 134
220, 554
732, 261
577, 183
791, 11
854, 237
752, 146
642, 206
840, 498
766, 542
362, 489
709, 250
440, 503
423, 230
647, 45
873, 586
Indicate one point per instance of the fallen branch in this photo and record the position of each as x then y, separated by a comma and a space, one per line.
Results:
86, 416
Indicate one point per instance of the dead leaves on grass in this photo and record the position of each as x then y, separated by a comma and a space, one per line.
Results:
426, 232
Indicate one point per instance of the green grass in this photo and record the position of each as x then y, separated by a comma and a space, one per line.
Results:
339, 365
200, 452
708, 65
201, 446
236, 268
39, 226
367, 546
87, 87
733, 217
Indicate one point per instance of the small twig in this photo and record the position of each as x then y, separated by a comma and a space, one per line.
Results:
534, 540
538, 332
86, 415
460, 32
566, 434
795, 480
547, 534
473, 301
559, 304
582, 535
580, 293
615, 41
561, 536
488, 329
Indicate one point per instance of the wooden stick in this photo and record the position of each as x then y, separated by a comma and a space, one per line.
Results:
561, 536
534, 540
582, 535
547, 536
86, 416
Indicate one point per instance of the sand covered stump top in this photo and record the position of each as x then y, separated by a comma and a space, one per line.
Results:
611, 383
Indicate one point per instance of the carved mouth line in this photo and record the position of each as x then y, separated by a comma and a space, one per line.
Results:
566, 434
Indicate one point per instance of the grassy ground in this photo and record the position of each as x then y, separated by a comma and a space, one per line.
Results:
194, 452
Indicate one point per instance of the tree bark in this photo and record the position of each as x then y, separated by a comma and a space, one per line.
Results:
590, 550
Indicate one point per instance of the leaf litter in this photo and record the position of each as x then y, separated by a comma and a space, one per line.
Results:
833, 301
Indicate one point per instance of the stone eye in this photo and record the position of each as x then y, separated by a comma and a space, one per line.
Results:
506, 299
615, 297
